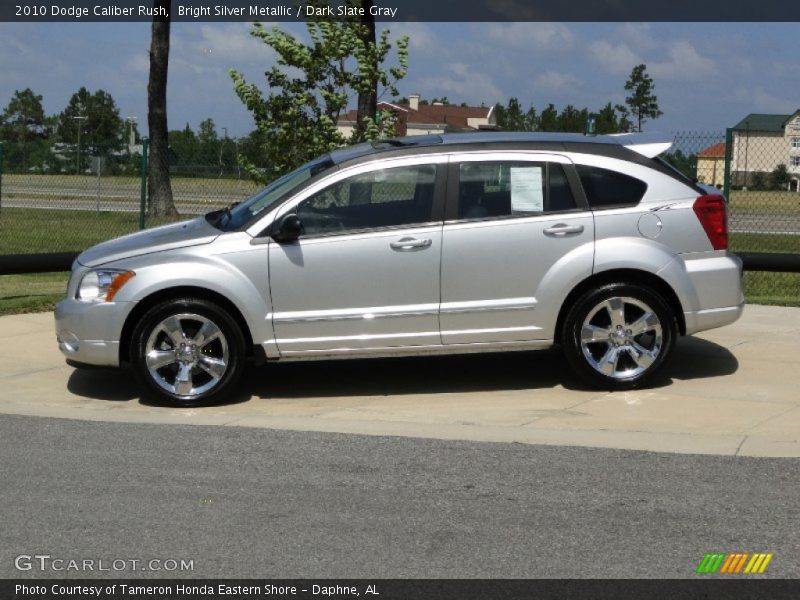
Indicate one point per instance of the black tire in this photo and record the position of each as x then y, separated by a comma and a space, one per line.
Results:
616, 362
210, 357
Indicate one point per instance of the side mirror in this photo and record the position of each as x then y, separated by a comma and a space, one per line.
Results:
288, 229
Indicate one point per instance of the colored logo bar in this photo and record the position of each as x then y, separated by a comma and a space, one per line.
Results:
734, 563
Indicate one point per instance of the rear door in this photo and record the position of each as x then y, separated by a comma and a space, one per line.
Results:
510, 218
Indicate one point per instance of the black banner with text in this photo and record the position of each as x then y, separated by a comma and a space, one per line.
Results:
387, 589
405, 10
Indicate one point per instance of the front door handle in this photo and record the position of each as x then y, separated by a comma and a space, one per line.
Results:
409, 243
563, 229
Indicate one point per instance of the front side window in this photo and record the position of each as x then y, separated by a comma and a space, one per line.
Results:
512, 189
610, 189
393, 197
271, 196
795, 162
796, 142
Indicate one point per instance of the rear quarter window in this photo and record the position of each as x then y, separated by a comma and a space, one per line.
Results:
610, 189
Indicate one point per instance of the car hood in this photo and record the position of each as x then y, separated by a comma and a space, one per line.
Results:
167, 237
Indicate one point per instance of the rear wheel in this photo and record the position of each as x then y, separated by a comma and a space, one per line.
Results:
618, 336
188, 352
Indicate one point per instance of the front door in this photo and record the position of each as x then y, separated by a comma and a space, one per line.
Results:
365, 272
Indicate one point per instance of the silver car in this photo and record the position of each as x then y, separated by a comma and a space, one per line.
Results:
435, 244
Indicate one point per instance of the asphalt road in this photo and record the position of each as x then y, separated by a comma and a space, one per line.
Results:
243, 502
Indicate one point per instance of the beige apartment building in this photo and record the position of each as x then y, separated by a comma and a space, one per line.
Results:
711, 165
761, 143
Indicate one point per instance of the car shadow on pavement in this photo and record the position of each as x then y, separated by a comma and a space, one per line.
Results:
114, 385
694, 358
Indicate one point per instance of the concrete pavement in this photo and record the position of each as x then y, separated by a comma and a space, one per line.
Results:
731, 391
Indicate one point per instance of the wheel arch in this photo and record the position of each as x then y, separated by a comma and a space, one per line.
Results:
173, 293
633, 276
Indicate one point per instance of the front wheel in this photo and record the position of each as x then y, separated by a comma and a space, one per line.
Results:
188, 352
618, 336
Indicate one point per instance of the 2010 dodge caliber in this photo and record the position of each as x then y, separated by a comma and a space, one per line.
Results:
452, 243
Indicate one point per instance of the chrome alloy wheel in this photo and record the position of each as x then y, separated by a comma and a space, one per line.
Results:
621, 337
187, 354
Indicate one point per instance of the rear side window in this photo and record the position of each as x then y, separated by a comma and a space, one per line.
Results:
518, 189
610, 189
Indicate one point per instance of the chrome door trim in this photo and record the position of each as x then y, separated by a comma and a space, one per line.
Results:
344, 314
287, 342
490, 330
414, 310
484, 305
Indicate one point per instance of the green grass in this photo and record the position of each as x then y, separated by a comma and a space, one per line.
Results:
31, 293
27, 230
756, 202
763, 242
778, 289
213, 190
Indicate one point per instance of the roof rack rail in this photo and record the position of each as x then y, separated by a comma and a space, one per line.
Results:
413, 140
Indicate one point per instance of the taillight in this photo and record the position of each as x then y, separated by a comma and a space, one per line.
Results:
712, 214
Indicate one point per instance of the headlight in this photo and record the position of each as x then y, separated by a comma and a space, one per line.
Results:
101, 285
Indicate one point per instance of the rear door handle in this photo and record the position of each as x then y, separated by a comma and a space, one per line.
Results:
563, 229
410, 243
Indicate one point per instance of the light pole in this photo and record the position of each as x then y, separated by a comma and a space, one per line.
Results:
131, 139
221, 149
79, 118
746, 150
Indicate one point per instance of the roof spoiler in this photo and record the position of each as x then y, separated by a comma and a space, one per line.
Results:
646, 144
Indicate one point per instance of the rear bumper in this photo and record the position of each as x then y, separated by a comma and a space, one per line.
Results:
716, 297
712, 318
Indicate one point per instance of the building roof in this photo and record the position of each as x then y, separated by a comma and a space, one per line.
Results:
761, 122
441, 116
715, 151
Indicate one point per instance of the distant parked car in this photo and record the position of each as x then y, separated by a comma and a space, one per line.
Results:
437, 244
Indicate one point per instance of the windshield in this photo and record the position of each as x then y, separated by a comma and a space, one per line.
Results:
269, 197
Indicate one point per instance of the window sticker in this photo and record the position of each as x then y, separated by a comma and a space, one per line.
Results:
526, 189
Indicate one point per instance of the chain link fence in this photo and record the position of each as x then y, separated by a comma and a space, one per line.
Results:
764, 198
74, 201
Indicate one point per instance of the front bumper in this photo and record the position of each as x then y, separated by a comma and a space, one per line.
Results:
90, 333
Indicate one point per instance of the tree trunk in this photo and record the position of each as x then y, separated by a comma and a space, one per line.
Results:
367, 99
160, 189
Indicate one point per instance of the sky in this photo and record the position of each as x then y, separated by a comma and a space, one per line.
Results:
707, 76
